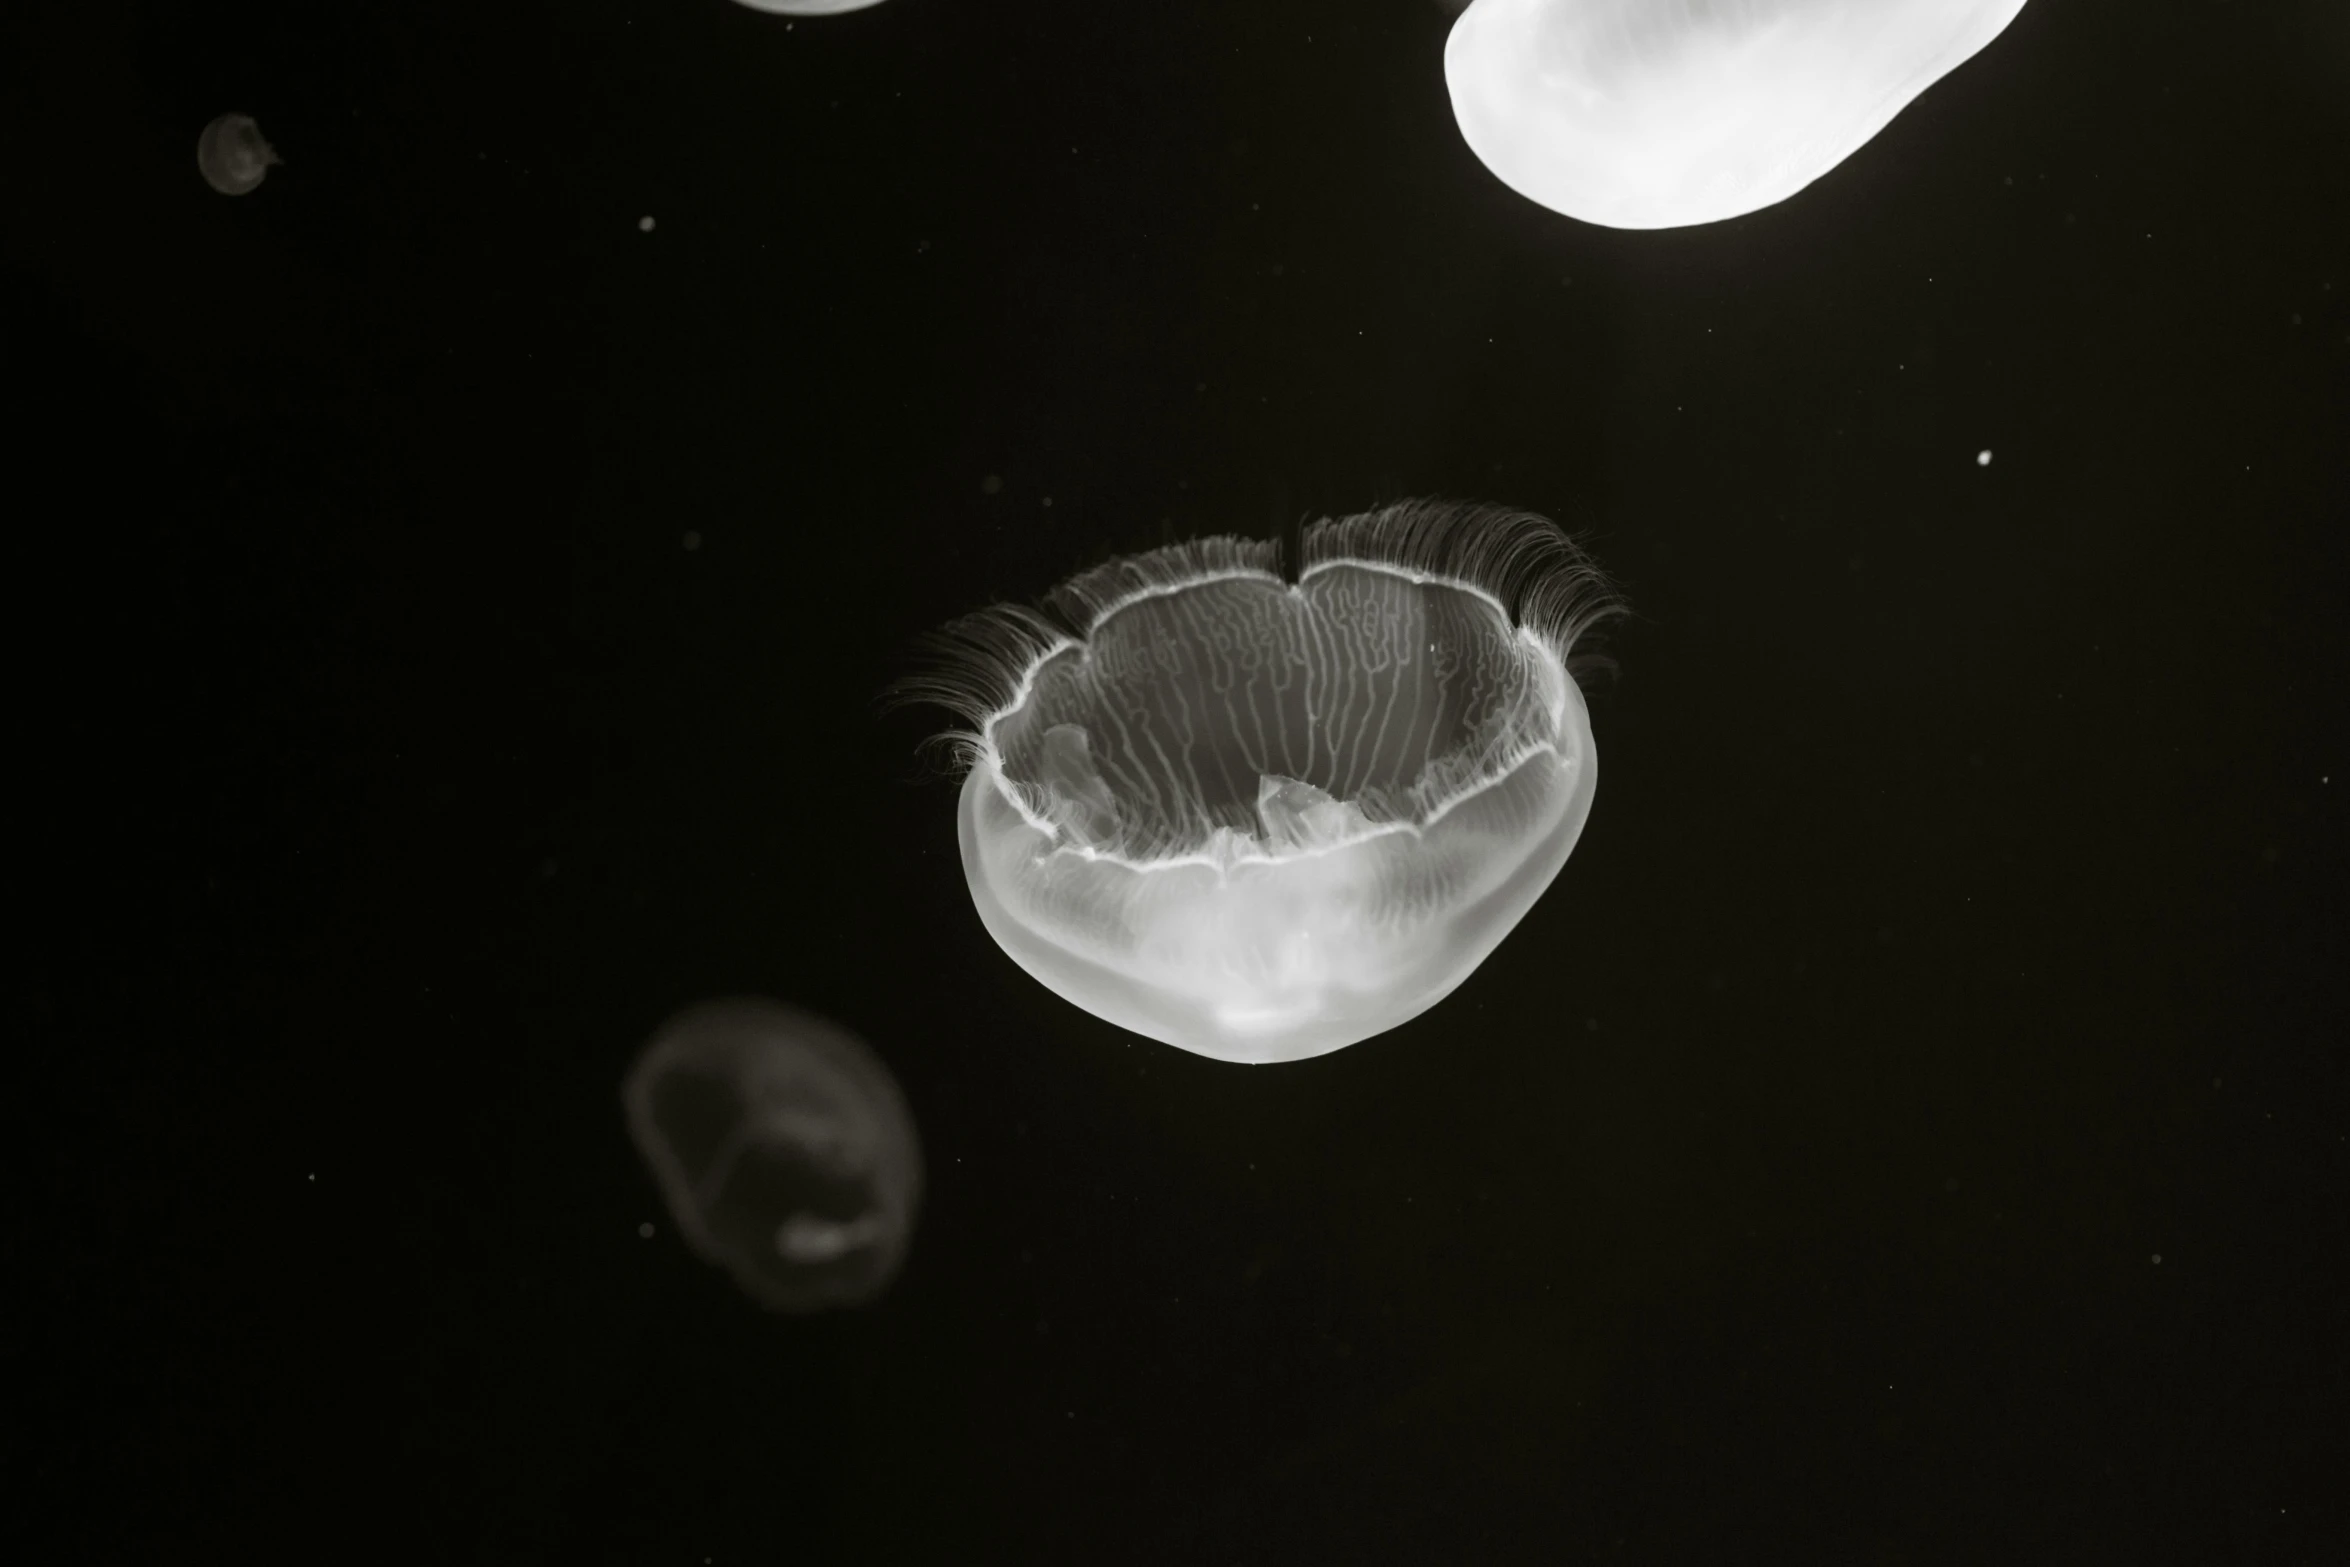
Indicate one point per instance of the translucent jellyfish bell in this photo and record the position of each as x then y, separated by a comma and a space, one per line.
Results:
1262, 820
232, 156
1644, 114
782, 1148
807, 7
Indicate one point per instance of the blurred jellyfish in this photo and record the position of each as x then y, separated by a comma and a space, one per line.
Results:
232, 155
782, 1148
807, 7
1641, 114
1261, 820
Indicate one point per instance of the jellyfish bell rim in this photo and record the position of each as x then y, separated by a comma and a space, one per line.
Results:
985, 754
1529, 569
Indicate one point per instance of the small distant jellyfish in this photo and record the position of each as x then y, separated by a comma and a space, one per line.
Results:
1642, 114
782, 1148
1259, 818
807, 7
232, 156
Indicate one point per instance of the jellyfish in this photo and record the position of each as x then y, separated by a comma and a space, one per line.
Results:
1639, 114
782, 1148
1261, 818
807, 7
232, 156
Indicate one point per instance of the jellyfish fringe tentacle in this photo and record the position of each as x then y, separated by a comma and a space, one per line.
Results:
983, 665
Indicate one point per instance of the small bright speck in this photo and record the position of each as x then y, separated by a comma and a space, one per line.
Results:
2158, 1259
644, 225
1983, 458
644, 1232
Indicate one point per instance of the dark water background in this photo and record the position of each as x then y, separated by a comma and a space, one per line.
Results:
1960, 928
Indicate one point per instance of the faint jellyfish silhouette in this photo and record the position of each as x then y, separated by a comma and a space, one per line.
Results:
1643, 115
782, 1148
1262, 819
232, 156
807, 7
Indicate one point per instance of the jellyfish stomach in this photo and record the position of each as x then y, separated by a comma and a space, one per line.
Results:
1271, 943
812, 1238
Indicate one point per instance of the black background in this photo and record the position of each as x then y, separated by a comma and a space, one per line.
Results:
1911, 1130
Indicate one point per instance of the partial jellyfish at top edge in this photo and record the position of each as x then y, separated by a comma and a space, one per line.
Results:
232, 156
1261, 818
782, 1148
1640, 115
807, 7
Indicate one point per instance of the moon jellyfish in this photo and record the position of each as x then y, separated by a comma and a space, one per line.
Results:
232, 156
782, 1148
807, 7
1262, 818
1641, 114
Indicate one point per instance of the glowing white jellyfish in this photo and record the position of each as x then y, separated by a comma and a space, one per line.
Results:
1644, 114
807, 7
782, 1149
232, 156
1262, 820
